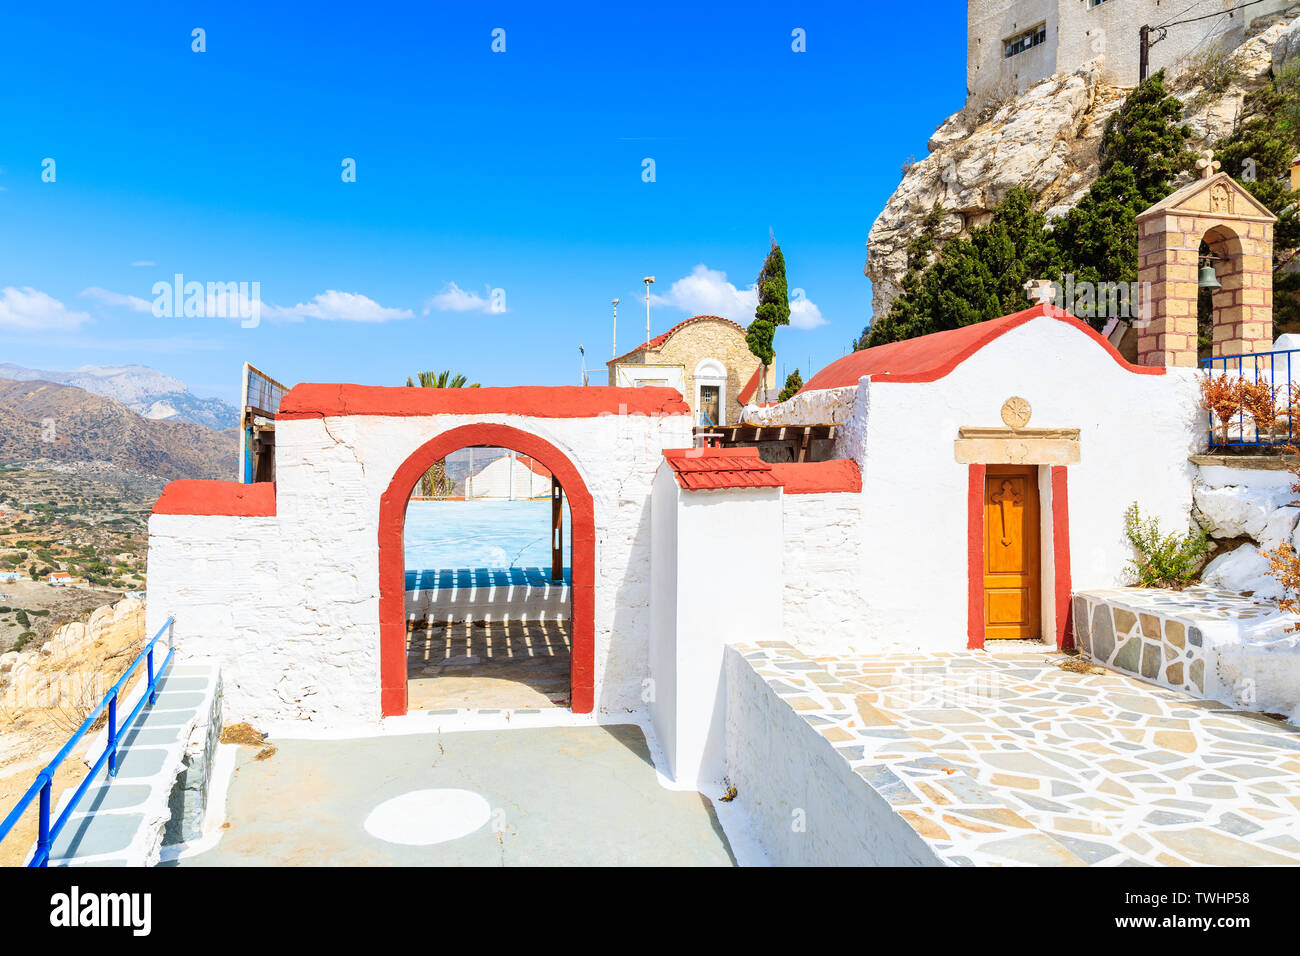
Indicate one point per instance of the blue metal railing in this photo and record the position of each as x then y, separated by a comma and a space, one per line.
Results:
44, 783
1276, 366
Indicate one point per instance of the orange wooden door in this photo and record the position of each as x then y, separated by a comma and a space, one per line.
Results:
1011, 567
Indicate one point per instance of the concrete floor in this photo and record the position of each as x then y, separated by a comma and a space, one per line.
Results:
515, 666
558, 796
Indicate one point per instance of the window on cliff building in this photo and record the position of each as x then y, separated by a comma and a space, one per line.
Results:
1095, 3
1024, 41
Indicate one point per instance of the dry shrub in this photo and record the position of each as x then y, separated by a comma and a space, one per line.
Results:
242, 733
1221, 397
1283, 562
1259, 401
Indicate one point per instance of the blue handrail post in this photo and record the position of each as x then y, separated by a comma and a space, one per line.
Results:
153, 691
112, 736
42, 857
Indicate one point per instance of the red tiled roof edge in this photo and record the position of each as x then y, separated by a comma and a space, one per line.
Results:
718, 469
663, 337
818, 477
928, 358
751, 386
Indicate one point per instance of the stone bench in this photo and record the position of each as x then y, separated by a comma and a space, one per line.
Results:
1207, 642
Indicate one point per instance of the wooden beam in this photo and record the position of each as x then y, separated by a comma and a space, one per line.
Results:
557, 531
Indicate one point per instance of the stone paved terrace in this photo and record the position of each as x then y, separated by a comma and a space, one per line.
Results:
1005, 758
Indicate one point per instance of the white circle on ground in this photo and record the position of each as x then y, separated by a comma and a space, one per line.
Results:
426, 817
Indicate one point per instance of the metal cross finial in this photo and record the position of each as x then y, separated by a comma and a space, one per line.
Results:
1207, 164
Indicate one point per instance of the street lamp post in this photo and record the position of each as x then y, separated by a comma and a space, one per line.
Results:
649, 281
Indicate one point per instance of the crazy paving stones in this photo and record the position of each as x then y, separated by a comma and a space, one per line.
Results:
983, 755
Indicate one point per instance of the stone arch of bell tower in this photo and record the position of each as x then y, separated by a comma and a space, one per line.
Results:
1239, 232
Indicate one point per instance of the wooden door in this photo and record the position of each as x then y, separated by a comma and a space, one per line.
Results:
1012, 596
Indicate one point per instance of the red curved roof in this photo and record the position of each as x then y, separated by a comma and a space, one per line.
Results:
659, 340
928, 358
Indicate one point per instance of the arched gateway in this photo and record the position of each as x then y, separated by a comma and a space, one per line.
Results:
392, 568
296, 588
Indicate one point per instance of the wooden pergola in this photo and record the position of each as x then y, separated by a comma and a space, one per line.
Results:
775, 442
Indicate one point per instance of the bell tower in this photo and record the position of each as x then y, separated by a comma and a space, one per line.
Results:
1238, 231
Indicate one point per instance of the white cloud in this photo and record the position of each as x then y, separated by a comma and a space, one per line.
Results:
332, 305
453, 298
707, 292
29, 308
804, 313
132, 302
240, 300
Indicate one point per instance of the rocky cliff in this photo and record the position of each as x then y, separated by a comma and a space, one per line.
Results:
1047, 140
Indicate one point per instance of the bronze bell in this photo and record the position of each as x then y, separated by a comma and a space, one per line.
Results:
1208, 280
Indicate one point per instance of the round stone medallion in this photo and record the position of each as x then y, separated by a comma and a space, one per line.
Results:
1016, 412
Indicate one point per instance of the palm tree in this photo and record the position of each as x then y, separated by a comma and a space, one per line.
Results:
434, 483
442, 379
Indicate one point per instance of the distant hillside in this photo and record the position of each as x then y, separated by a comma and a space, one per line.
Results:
88, 427
142, 389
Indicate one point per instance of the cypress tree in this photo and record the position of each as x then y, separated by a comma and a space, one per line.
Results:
793, 382
773, 310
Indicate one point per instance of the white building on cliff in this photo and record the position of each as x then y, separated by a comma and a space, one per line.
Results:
1012, 44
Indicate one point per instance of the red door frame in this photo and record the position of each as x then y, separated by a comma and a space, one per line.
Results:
975, 556
392, 557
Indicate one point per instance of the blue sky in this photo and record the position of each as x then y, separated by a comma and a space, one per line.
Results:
519, 171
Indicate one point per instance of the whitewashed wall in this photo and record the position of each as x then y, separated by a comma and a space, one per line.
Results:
703, 554
823, 597
802, 799
289, 606
664, 504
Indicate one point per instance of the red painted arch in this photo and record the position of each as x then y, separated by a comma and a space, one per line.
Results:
392, 558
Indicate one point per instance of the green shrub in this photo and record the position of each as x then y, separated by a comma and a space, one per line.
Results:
1163, 560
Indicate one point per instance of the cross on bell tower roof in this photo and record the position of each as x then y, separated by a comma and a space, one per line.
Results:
1207, 164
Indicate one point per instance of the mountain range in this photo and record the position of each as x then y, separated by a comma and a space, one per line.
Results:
144, 390
47, 420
